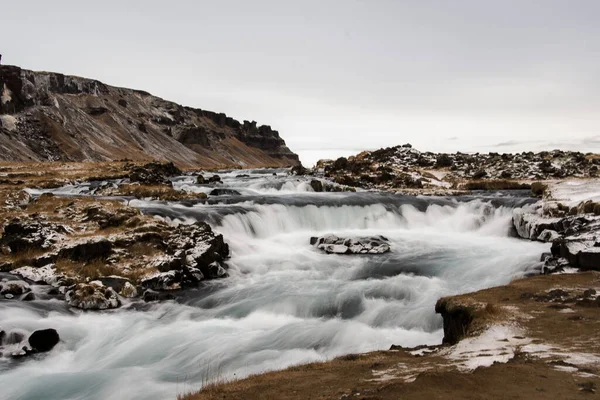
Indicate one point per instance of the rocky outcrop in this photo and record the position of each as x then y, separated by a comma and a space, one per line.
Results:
363, 245
48, 116
457, 320
404, 167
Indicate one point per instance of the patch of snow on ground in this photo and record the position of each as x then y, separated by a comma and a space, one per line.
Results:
573, 192
496, 344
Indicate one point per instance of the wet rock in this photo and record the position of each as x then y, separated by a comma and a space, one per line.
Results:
363, 245
13, 288
224, 192
151, 295
214, 179
200, 180
28, 297
170, 280
92, 296
44, 340
14, 337
316, 185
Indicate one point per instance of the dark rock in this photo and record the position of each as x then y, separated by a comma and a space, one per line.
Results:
44, 340
28, 297
20, 235
200, 180
224, 192
153, 173
87, 251
151, 295
457, 320
214, 179
316, 185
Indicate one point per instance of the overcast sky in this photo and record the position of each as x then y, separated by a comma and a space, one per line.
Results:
337, 77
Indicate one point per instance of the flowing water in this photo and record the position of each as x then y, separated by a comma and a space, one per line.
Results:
284, 302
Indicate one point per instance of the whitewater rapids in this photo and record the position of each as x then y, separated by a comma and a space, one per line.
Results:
284, 302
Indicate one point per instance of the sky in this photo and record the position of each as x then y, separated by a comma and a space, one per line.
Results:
336, 77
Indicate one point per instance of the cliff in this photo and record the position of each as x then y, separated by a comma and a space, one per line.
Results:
47, 116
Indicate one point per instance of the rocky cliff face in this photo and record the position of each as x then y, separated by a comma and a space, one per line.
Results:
48, 116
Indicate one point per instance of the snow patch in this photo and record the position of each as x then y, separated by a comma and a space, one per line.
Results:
496, 344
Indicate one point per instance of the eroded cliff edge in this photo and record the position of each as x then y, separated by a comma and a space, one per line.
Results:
46, 116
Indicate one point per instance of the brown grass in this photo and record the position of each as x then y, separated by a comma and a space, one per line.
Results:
160, 192
496, 184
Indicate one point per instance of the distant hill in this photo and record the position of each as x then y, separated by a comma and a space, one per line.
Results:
46, 116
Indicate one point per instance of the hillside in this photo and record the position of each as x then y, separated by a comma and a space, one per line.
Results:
47, 116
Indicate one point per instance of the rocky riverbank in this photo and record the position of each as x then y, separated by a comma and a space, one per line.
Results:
408, 170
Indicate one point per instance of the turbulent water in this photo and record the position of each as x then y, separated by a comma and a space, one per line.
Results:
284, 302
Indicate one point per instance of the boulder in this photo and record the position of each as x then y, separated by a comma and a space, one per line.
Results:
44, 340
153, 173
224, 192
316, 185
92, 296
362, 245
214, 179
13, 288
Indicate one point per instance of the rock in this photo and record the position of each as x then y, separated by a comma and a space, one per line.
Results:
589, 293
128, 291
363, 245
28, 297
316, 185
22, 235
457, 320
200, 180
151, 295
548, 235
87, 251
13, 288
153, 173
224, 192
92, 296
14, 337
200, 248
214, 179
43, 275
44, 340
163, 281
113, 281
